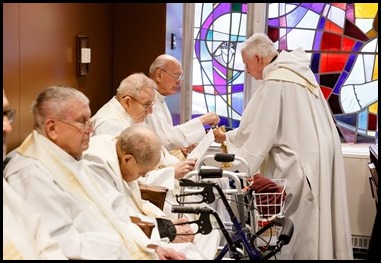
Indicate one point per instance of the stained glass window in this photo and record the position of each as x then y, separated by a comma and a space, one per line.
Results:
339, 38
218, 72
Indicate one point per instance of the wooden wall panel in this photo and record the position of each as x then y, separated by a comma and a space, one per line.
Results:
11, 65
39, 43
39, 50
139, 38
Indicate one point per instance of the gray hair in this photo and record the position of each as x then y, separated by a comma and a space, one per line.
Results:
53, 103
140, 141
133, 84
161, 62
259, 44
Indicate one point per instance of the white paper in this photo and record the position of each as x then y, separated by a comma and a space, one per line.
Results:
202, 147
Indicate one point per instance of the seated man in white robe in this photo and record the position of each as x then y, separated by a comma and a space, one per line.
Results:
132, 104
47, 172
25, 236
166, 71
122, 161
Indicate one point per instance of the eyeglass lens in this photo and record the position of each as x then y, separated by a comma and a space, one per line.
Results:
10, 114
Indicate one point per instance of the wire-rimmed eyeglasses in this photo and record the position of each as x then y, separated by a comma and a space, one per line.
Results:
10, 114
144, 106
81, 126
176, 78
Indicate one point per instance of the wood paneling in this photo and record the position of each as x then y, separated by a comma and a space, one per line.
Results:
137, 46
11, 66
39, 41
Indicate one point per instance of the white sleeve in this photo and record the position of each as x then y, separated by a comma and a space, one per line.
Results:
163, 177
172, 137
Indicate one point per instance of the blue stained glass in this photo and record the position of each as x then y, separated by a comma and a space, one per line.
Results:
347, 119
363, 120
340, 82
350, 62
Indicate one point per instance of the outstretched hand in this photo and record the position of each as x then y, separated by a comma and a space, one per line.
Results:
210, 118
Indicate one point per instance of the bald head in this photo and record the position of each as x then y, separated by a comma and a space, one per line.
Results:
163, 61
141, 142
134, 84
167, 73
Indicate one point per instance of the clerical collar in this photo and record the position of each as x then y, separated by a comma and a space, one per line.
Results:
159, 97
274, 58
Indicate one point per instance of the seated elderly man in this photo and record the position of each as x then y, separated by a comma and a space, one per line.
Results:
132, 104
121, 161
48, 174
167, 72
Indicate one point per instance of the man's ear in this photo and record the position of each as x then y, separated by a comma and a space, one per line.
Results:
51, 129
258, 58
127, 157
158, 75
127, 100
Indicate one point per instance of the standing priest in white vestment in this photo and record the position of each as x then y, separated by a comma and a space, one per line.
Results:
122, 160
25, 236
48, 173
287, 129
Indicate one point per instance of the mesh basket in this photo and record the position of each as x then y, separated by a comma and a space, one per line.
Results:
270, 204
267, 205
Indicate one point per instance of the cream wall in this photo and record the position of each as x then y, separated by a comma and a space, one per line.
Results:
362, 207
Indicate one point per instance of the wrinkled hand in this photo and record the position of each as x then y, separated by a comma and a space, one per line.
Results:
169, 253
183, 167
219, 135
183, 229
210, 118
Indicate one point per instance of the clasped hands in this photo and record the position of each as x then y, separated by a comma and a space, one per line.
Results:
184, 232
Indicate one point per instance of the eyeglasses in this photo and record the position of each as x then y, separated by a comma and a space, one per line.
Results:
144, 106
10, 114
81, 126
176, 78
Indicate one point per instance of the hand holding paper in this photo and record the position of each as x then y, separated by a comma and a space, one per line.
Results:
200, 150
